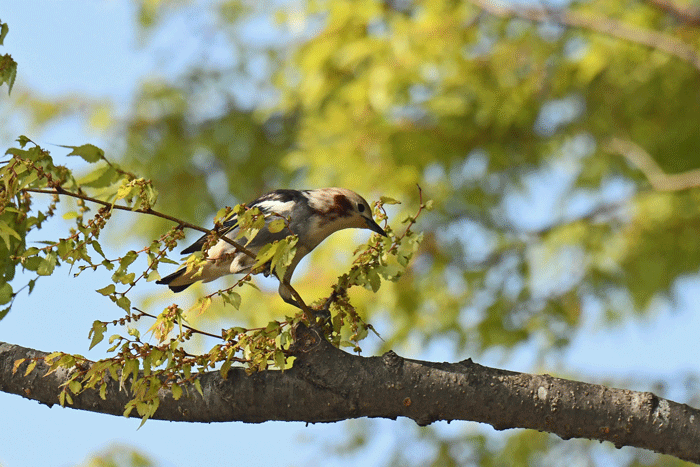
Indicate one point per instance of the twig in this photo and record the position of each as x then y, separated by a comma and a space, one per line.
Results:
659, 180
184, 325
602, 24
152, 212
60, 191
412, 221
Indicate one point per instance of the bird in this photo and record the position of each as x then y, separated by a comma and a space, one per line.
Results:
313, 216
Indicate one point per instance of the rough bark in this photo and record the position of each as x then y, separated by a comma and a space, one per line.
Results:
328, 385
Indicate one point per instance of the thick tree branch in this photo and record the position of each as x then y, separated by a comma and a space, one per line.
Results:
600, 24
328, 385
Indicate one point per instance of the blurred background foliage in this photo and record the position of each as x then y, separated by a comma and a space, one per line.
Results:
504, 122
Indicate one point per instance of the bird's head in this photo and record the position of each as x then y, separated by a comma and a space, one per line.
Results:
340, 208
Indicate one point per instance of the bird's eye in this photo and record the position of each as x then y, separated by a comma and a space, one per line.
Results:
361, 207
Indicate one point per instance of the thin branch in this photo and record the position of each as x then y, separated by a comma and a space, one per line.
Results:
601, 24
60, 191
149, 211
197, 331
684, 14
659, 180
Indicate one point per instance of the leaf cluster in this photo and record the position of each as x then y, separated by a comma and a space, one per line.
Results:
148, 367
8, 67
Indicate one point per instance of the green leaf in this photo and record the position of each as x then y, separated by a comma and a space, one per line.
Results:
204, 303
176, 391
6, 231
22, 140
127, 278
374, 280
198, 386
97, 333
30, 367
280, 361
225, 368
125, 191
134, 332
8, 71
232, 298
265, 254
51, 357
128, 258
109, 290
387, 200
124, 303
124, 263
48, 264
75, 386
284, 255
151, 408
153, 276
96, 246
5, 293
276, 225
89, 152
4, 29
101, 177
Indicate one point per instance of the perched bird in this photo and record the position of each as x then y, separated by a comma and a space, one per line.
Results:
313, 215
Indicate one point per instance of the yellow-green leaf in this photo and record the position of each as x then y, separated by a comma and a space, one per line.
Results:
16, 365
89, 152
97, 333
5, 293
109, 290
176, 391
276, 225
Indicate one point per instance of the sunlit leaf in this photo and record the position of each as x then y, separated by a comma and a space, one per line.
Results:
89, 152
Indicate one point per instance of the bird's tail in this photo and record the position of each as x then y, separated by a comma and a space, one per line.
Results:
180, 285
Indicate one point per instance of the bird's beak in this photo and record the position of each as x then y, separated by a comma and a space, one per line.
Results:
374, 227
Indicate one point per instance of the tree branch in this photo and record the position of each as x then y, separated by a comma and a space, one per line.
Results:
658, 179
308, 314
601, 24
685, 14
327, 385
149, 211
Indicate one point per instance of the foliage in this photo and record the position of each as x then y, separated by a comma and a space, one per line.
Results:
118, 456
150, 367
8, 67
504, 120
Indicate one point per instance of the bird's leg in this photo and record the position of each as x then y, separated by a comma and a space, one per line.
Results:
327, 304
291, 301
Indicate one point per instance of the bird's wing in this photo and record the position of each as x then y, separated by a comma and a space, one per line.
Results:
278, 202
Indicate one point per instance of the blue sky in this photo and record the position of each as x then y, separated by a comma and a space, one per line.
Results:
90, 47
